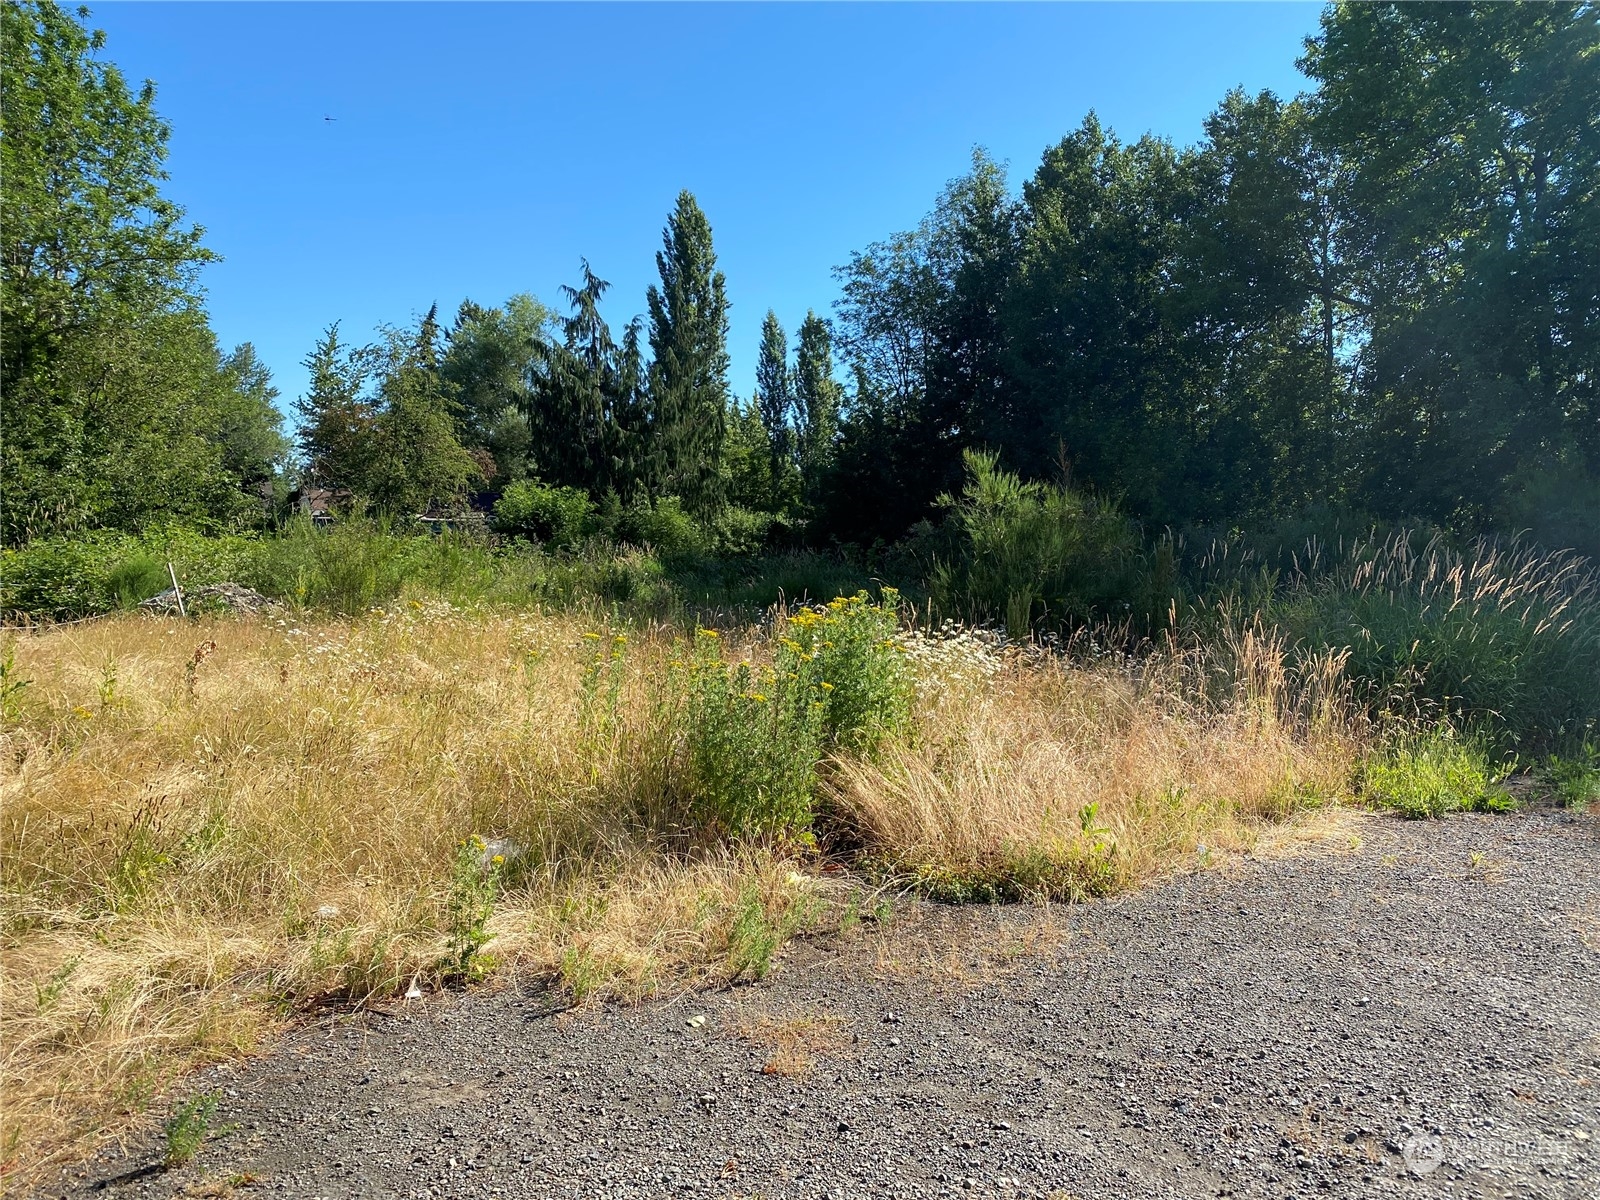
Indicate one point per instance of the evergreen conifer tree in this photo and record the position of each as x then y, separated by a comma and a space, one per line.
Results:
774, 401
689, 372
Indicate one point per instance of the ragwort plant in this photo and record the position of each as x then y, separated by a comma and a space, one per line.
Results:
757, 735
867, 685
754, 738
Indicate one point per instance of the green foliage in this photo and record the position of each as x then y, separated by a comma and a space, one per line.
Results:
556, 516
416, 463
474, 887
864, 681
377, 422
68, 577
734, 532
491, 358
1466, 136
661, 525
1031, 552
754, 936
1575, 778
137, 578
1502, 639
817, 400
12, 685
586, 406
185, 1131
753, 738
120, 410
1433, 774
689, 367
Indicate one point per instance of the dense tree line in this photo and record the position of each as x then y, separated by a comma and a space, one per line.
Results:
1380, 296
1383, 295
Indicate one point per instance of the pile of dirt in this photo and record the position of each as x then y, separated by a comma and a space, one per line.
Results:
211, 598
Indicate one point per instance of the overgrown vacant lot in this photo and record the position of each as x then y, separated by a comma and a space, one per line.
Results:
211, 825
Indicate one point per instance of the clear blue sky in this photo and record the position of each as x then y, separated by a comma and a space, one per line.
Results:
480, 149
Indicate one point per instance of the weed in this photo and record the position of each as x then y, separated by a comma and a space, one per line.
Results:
186, 1129
191, 668
11, 686
793, 1042
47, 993
754, 739
752, 939
106, 687
1435, 773
474, 887
1575, 780
581, 973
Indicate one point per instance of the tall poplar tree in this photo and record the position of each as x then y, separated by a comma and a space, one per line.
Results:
775, 401
817, 396
689, 372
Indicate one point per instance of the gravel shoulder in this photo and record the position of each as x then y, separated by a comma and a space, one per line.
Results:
1404, 1010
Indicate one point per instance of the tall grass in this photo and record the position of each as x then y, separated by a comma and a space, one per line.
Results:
1500, 639
1035, 775
203, 823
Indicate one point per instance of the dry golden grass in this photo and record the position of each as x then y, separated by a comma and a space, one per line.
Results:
192, 848
1061, 778
208, 824
793, 1042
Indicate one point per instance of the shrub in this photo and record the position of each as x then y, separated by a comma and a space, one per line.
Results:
1031, 552
1431, 774
560, 517
66, 577
136, 579
866, 684
474, 886
348, 567
754, 739
661, 526
736, 532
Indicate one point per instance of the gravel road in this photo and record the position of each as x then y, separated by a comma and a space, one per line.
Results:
1415, 1015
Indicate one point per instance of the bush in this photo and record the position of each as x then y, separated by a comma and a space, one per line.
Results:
661, 526
560, 517
736, 533
754, 739
756, 735
1031, 552
866, 684
1429, 775
62, 578
136, 579
348, 567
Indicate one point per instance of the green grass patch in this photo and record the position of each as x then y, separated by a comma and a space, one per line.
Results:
1433, 774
